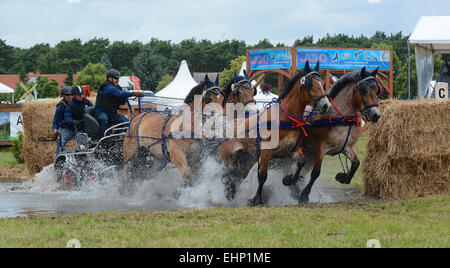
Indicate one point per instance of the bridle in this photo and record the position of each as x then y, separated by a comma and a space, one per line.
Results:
312, 75
363, 84
212, 90
245, 83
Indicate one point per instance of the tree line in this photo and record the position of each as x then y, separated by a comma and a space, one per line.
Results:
158, 58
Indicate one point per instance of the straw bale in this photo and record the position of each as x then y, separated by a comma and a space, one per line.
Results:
408, 150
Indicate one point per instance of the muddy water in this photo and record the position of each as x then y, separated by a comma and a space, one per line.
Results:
44, 196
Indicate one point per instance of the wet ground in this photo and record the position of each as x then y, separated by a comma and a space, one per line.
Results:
44, 196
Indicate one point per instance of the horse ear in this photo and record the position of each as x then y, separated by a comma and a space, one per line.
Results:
374, 73
317, 67
363, 72
307, 68
217, 80
235, 75
246, 74
207, 81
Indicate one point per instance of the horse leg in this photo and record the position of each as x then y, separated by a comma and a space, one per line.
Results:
291, 179
242, 164
352, 154
262, 176
178, 157
320, 153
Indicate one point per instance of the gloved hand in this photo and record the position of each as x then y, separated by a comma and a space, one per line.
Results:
55, 133
137, 93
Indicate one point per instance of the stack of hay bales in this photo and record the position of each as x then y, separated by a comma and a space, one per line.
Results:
408, 150
39, 145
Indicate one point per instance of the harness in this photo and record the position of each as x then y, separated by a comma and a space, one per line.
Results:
246, 84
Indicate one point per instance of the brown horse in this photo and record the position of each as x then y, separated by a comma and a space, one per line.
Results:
147, 130
354, 93
240, 154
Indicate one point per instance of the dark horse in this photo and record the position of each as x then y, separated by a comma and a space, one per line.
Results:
354, 93
240, 154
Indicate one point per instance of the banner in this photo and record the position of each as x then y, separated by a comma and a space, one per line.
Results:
342, 59
16, 124
10, 125
270, 59
136, 82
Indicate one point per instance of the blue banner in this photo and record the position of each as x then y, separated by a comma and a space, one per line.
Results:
270, 59
342, 59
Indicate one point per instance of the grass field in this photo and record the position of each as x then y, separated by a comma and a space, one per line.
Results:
416, 222
421, 222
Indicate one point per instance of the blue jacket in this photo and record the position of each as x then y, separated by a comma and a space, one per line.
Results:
58, 119
78, 105
110, 97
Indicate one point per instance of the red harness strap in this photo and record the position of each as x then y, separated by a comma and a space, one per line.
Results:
296, 124
344, 118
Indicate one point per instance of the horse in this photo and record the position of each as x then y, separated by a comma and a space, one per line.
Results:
148, 129
240, 154
354, 93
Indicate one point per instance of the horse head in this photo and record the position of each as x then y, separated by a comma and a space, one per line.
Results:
312, 90
365, 95
211, 92
240, 90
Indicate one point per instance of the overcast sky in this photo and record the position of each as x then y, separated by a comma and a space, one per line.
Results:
24, 23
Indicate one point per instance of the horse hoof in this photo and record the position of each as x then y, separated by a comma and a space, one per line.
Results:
288, 180
304, 199
342, 178
256, 201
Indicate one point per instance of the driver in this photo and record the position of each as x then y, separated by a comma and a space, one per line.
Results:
60, 128
74, 114
109, 98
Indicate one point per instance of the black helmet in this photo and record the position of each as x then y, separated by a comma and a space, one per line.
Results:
66, 90
113, 73
77, 90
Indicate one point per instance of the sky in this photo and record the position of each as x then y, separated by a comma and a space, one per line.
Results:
25, 23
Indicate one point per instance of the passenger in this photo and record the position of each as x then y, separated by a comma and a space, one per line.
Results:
109, 98
74, 114
60, 128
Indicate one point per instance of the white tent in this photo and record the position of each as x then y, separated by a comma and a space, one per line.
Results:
4, 89
181, 84
430, 37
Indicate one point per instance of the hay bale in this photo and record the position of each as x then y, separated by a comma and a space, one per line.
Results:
38, 154
408, 151
38, 118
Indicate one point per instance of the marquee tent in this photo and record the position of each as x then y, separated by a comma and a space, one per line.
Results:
430, 37
181, 84
4, 89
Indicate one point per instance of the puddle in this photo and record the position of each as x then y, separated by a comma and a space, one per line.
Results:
44, 196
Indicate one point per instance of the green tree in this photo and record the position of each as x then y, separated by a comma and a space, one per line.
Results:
105, 61
94, 49
121, 54
47, 89
167, 79
92, 75
6, 57
69, 79
149, 67
235, 66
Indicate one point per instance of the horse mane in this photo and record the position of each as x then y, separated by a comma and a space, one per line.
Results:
346, 79
227, 91
290, 84
197, 90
